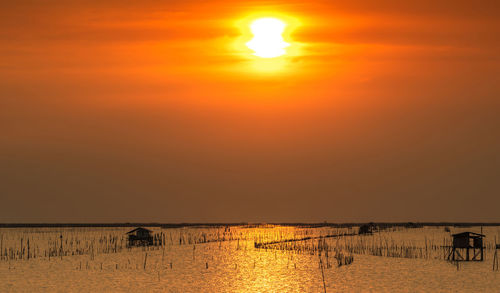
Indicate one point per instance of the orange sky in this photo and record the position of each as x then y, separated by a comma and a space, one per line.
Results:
147, 111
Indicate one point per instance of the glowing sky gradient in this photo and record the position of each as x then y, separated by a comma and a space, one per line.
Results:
152, 111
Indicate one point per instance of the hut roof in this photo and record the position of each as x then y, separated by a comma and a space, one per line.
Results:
139, 229
468, 234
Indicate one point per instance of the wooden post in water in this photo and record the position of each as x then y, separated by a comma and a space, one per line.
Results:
495, 256
61, 248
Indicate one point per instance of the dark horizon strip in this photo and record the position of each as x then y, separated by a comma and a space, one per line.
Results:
201, 225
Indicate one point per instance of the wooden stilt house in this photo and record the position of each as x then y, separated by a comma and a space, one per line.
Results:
467, 246
140, 237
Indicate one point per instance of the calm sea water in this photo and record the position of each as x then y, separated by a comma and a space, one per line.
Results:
233, 266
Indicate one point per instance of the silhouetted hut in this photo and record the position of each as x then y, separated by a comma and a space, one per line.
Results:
140, 237
367, 228
467, 242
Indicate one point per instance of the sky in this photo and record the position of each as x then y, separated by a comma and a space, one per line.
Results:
116, 111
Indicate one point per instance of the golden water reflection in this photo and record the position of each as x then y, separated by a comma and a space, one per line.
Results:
225, 259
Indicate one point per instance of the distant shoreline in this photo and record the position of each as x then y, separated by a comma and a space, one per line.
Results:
195, 225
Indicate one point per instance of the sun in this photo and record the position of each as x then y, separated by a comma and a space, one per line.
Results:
268, 39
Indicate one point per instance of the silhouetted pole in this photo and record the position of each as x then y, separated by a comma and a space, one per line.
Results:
61, 248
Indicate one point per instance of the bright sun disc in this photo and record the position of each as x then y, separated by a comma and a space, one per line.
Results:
268, 41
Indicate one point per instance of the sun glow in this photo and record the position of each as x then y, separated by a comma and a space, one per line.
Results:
268, 41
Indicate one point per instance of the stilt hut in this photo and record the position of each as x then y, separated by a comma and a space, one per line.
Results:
367, 228
140, 237
467, 246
